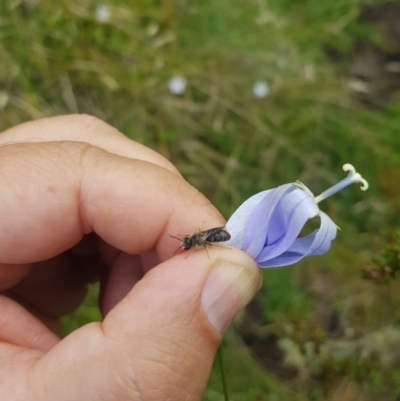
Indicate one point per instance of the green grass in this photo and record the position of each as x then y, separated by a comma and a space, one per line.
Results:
56, 58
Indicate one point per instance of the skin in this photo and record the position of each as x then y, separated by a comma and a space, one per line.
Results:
80, 202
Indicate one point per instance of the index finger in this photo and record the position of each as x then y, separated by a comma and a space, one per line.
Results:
83, 128
55, 192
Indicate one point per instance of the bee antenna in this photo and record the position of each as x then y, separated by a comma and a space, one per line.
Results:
175, 238
179, 239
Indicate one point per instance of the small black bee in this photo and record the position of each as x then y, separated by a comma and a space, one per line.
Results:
203, 238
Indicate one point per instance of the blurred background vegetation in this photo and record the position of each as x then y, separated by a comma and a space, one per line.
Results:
243, 96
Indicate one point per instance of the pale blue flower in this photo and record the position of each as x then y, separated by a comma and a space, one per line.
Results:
267, 225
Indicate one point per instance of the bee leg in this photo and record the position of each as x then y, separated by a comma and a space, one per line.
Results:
219, 246
190, 251
205, 246
178, 250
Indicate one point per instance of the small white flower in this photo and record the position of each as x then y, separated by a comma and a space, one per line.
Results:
177, 85
261, 89
103, 13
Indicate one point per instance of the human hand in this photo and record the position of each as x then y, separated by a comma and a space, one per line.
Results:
82, 202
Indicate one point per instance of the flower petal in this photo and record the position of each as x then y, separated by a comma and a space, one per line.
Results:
258, 224
325, 235
268, 224
295, 209
237, 222
316, 243
287, 258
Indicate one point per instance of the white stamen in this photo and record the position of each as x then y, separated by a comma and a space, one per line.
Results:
355, 177
352, 178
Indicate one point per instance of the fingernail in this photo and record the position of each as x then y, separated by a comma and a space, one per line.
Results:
228, 289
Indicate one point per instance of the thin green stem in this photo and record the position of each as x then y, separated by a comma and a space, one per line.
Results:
223, 376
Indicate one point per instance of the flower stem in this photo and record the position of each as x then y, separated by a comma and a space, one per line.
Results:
222, 369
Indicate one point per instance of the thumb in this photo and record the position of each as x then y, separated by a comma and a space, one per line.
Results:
175, 316
159, 342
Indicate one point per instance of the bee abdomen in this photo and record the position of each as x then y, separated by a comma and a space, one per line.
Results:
218, 235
